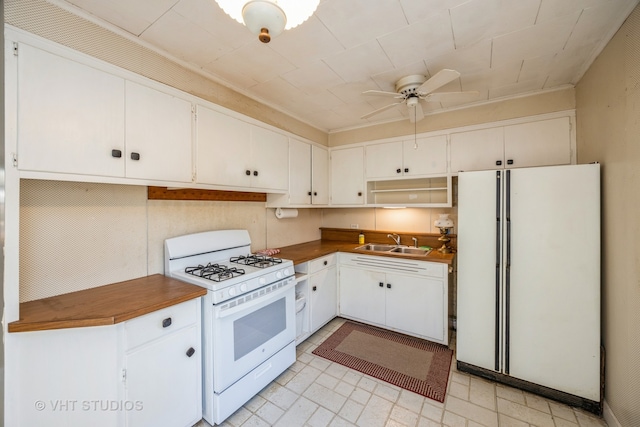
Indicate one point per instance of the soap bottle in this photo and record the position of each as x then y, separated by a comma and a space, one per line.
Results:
361, 239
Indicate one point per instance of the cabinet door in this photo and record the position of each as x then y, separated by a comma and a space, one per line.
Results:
541, 143
158, 135
70, 116
320, 175
222, 147
347, 176
415, 305
166, 381
269, 159
477, 150
362, 295
425, 156
324, 297
299, 172
384, 160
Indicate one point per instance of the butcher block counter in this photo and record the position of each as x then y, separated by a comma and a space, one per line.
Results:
341, 240
104, 305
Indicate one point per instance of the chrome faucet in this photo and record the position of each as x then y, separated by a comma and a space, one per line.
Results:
395, 238
415, 242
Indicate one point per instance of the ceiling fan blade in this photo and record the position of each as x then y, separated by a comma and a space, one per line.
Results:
415, 113
383, 93
452, 96
380, 110
439, 79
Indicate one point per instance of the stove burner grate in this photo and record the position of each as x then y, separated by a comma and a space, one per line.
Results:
214, 272
259, 261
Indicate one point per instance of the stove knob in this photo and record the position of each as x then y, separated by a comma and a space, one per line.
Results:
243, 287
286, 272
232, 292
262, 281
278, 274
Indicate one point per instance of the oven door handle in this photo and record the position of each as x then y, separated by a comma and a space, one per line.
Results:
271, 296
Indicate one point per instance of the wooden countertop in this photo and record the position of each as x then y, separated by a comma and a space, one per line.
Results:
307, 251
104, 305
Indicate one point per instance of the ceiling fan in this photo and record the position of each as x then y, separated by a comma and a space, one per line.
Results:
411, 89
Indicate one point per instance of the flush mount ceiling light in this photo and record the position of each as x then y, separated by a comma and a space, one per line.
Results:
268, 18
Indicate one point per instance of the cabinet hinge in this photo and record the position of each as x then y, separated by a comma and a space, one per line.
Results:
14, 160
124, 376
15, 49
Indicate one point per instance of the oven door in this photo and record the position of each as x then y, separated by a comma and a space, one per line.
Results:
249, 329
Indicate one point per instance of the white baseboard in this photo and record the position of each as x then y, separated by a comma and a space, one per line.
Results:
609, 417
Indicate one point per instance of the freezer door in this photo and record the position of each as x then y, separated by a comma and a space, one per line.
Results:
554, 321
479, 276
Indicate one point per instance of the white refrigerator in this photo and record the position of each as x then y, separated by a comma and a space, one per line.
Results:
528, 298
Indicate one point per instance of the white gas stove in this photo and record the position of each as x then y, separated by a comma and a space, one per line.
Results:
248, 314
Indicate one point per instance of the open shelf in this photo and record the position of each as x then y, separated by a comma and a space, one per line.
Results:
423, 192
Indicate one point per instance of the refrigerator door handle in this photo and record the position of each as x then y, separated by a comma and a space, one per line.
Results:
498, 251
507, 281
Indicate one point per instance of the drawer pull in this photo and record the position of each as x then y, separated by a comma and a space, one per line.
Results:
381, 284
326, 262
315, 288
166, 322
190, 352
388, 285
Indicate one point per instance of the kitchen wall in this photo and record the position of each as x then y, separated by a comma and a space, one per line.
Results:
608, 131
76, 236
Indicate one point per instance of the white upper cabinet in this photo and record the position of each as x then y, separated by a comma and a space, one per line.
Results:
347, 176
70, 116
76, 119
537, 143
158, 135
409, 158
481, 149
234, 153
319, 175
545, 142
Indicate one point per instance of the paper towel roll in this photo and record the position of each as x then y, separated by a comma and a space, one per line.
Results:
286, 213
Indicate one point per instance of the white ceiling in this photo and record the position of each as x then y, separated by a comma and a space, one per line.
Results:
318, 71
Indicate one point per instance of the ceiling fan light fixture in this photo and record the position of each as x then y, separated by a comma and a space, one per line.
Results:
269, 18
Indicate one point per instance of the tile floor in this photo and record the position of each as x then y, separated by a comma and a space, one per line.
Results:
316, 392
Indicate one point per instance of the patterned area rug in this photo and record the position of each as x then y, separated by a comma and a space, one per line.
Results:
411, 363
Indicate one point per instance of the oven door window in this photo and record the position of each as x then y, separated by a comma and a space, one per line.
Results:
258, 327
246, 335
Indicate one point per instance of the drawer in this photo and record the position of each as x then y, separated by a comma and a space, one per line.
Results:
322, 262
162, 322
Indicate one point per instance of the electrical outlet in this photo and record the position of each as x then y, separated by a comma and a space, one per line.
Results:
354, 225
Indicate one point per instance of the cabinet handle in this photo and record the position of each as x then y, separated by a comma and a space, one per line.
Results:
255, 173
247, 172
309, 193
315, 193
388, 285
381, 284
315, 288
406, 170
135, 156
398, 170
116, 153
190, 352
510, 161
498, 162
166, 322
326, 262
359, 193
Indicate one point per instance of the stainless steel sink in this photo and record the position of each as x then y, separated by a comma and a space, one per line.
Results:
375, 247
410, 251
392, 249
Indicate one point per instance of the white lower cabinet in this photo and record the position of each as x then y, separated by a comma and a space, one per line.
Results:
141, 372
407, 296
317, 282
